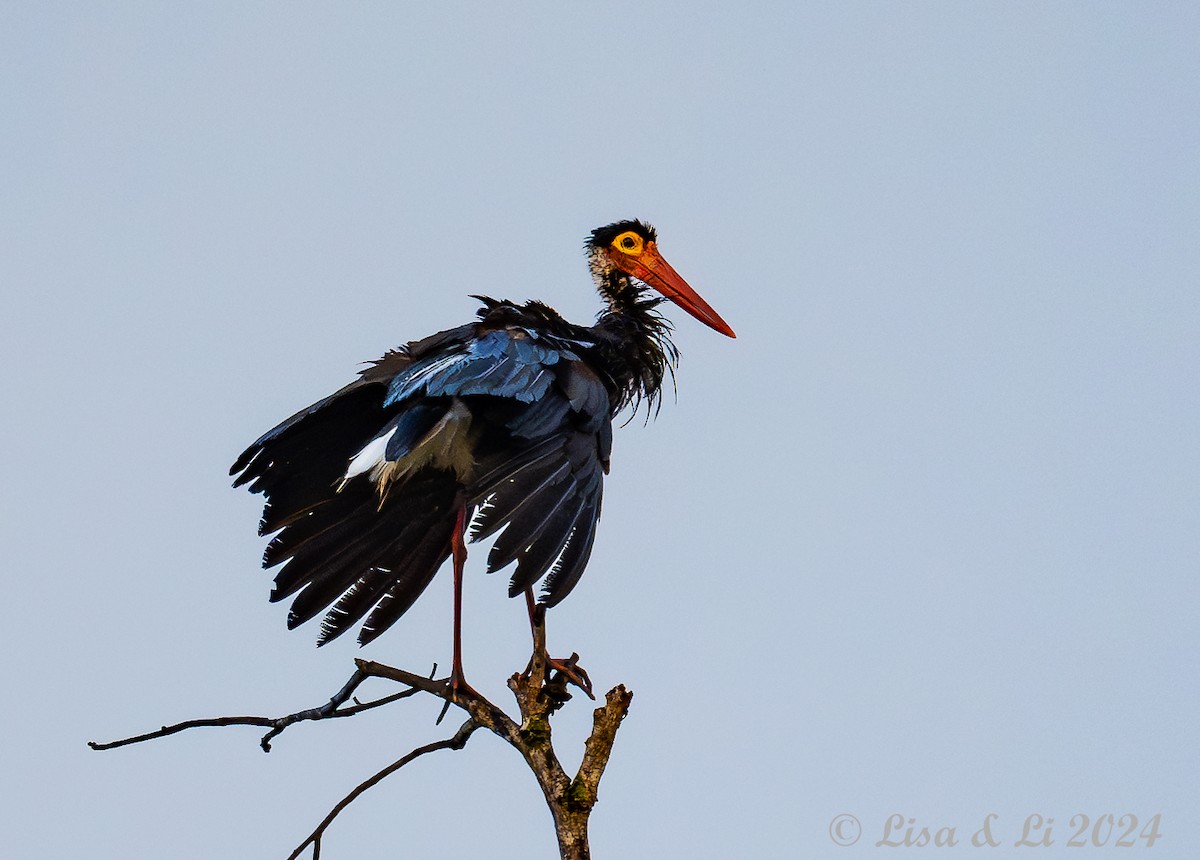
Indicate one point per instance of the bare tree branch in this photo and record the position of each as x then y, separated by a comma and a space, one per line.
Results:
457, 742
540, 691
184, 726
275, 724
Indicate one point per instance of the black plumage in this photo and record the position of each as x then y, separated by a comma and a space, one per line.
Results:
509, 417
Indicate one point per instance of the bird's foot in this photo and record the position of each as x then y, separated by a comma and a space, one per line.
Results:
568, 671
460, 690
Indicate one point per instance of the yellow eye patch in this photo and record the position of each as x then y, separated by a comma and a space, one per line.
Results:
628, 243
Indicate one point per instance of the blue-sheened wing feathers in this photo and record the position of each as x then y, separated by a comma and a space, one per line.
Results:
549, 505
500, 363
361, 490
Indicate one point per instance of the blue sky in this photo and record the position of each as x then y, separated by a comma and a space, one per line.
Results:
923, 540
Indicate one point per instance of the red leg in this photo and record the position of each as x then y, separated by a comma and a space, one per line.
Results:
531, 605
570, 668
458, 551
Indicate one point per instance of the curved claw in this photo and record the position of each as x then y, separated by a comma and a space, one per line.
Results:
570, 671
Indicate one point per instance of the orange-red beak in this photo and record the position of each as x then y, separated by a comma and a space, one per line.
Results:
650, 267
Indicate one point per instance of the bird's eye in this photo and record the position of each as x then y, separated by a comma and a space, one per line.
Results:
628, 243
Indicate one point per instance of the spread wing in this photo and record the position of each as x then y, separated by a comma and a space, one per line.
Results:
362, 488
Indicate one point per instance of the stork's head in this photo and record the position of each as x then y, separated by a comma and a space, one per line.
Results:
629, 249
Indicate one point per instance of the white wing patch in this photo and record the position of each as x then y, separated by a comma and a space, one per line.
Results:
371, 456
448, 445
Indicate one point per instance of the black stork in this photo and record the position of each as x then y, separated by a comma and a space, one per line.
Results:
501, 423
